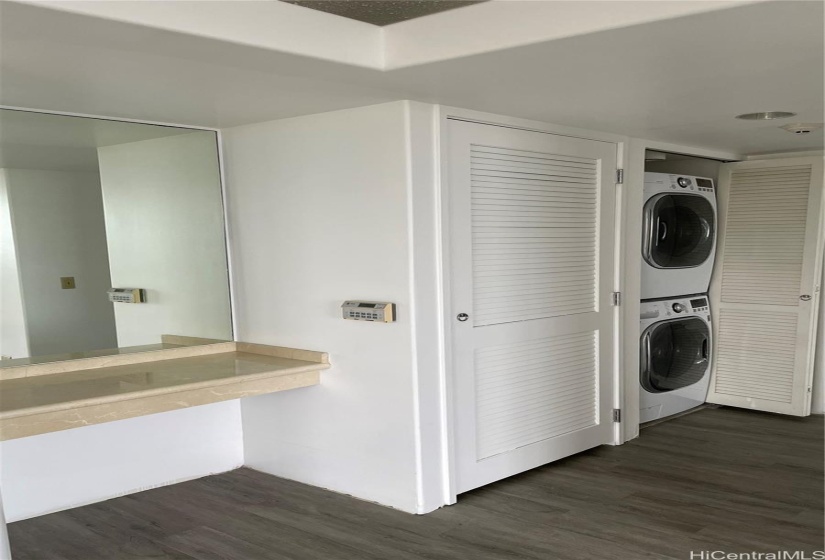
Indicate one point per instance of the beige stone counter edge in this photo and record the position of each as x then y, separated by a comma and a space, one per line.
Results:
114, 360
84, 412
144, 393
32, 425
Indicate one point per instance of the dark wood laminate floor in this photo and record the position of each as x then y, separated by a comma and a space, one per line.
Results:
718, 479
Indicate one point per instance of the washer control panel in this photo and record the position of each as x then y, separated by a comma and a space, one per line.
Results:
674, 307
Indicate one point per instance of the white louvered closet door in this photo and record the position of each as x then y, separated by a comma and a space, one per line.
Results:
531, 253
765, 288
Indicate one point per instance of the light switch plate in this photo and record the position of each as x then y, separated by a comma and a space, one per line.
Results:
67, 282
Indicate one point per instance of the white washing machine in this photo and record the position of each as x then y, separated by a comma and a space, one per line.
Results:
676, 348
679, 235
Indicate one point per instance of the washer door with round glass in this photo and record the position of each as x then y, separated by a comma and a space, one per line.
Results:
675, 354
679, 230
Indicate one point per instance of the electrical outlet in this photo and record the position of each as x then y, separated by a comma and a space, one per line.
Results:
67, 282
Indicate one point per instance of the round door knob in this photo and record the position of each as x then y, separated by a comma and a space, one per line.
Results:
462, 317
678, 307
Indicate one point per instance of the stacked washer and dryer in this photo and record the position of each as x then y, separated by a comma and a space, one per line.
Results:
678, 249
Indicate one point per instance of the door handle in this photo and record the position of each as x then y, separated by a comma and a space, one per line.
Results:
462, 317
646, 357
662, 231
805, 297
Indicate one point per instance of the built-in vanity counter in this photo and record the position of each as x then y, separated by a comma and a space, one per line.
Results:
40, 398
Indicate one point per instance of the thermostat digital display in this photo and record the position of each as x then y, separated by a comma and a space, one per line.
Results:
378, 312
127, 295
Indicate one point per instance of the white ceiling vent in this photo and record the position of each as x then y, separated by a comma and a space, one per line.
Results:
802, 128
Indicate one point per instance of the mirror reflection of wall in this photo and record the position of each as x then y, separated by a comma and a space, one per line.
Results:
87, 205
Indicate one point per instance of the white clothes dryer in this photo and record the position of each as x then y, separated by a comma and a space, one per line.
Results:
679, 235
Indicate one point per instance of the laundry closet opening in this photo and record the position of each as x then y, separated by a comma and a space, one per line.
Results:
679, 235
731, 265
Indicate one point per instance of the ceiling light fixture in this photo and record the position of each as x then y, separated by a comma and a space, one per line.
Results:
766, 116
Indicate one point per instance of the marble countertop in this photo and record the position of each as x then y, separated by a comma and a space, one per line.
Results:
44, 403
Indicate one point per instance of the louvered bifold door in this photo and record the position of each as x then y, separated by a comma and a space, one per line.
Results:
765, 287
531, 218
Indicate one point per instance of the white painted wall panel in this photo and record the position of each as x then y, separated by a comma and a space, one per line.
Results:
61, 470
319, 214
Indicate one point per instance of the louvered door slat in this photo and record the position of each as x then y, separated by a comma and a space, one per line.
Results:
533, 194
528, 163
770, 255
522, 405
751, 221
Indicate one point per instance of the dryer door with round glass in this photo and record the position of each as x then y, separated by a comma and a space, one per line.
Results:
679, 230
675, 354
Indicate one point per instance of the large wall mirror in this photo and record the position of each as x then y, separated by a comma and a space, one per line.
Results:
88, 206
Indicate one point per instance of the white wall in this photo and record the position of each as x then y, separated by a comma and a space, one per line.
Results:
429, 390
60, 470
5, 546
320, 212
57, 219
165, 229
13, 340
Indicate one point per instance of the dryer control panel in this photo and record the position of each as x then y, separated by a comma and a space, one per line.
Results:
680, 182
699, 304
685, 182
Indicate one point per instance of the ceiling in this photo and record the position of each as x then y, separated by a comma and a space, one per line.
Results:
383, 12
62, 143
680, 80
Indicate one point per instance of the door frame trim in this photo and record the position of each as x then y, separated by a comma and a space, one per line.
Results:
444, 115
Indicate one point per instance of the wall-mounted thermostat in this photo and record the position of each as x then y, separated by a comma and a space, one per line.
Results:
127, 295
381, 312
